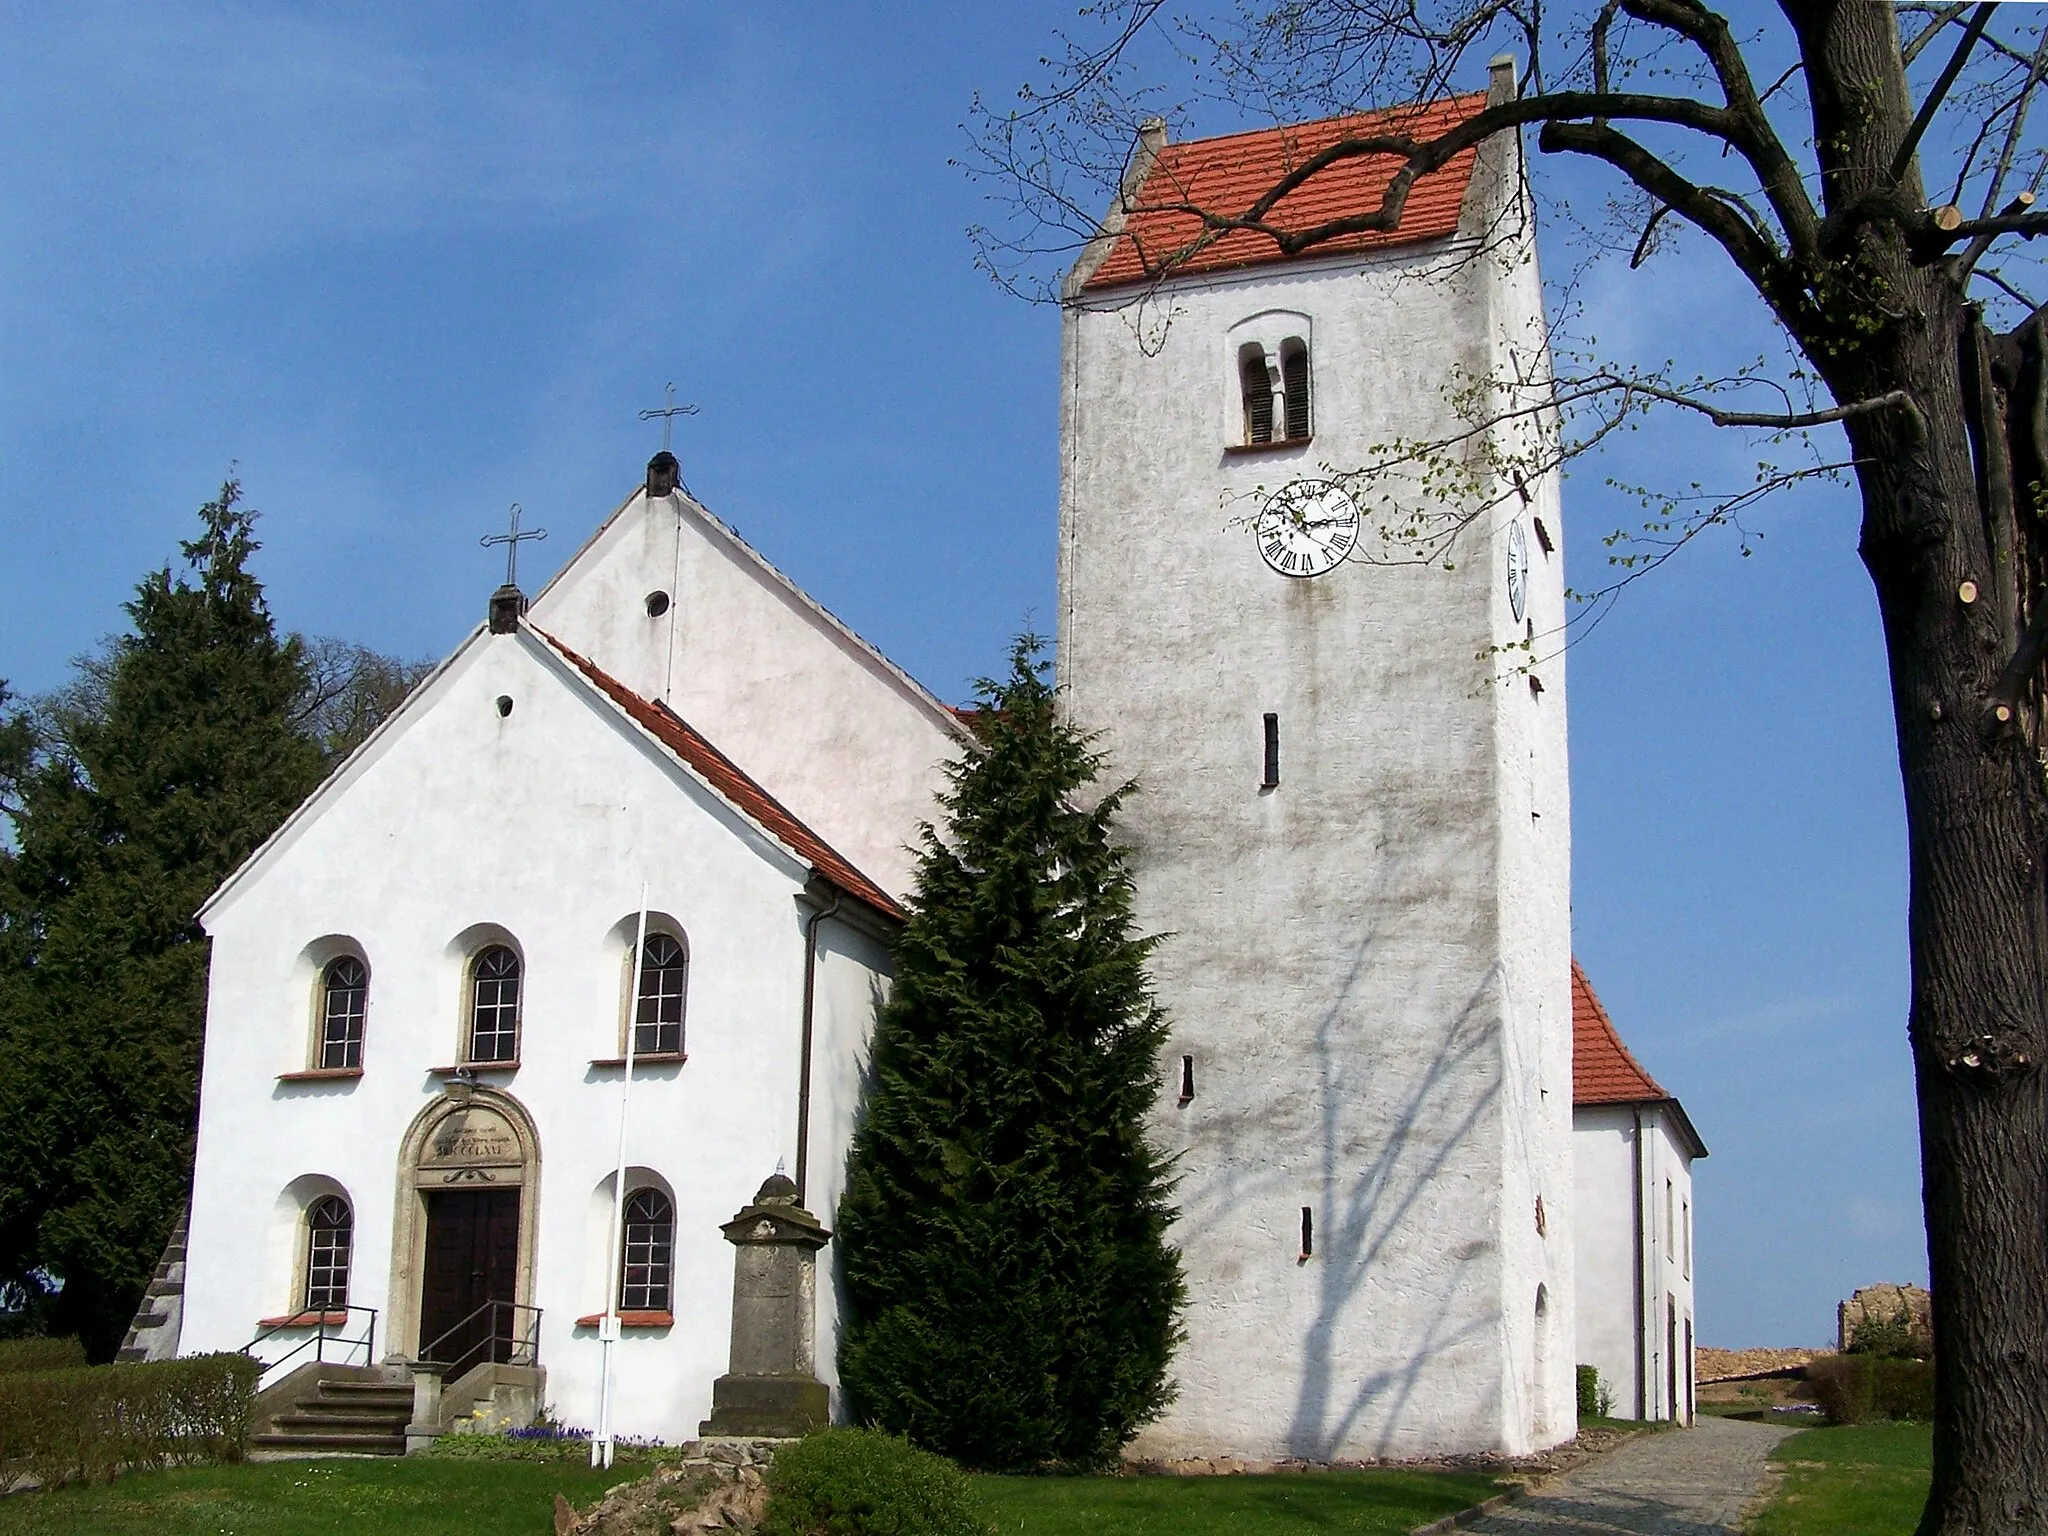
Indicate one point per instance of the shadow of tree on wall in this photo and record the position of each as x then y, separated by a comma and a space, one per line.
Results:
1377, 1159
1369, 1212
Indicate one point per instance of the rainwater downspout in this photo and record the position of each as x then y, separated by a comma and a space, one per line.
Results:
803, 1091
1636, 1180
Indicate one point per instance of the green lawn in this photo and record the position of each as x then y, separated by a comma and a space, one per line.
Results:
369, 1497
1856, 1480
432, 1496
1277, 1505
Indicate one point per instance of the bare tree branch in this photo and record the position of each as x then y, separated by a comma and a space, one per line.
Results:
1903, 159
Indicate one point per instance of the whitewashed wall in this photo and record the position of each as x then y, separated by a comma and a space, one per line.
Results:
543, 823
1532, 785
1610, 1311
839, 735
1369, 964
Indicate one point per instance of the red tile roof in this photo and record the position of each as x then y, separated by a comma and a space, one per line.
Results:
1227, 175
1603, 1072
732, 782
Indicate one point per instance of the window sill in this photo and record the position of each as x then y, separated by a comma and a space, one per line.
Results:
632, 1320
644, 1059
320, 1075
304, 1320
474, 1066
1280, 445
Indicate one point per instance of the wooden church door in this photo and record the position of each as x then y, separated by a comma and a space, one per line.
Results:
472, 1257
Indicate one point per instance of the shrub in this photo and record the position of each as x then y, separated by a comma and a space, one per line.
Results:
91, 1421
1902, 1389
1589, 1391
18, 1355
861, 1482
1890, 1336
1841, 1386
1853, 1388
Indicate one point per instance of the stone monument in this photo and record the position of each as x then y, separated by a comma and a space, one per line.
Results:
770, 1391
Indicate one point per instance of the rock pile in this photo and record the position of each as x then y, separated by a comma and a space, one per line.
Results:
717, 1485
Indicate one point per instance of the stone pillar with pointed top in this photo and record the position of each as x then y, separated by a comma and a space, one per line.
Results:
771, 1391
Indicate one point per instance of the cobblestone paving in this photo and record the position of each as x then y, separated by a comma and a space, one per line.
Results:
1690, 1482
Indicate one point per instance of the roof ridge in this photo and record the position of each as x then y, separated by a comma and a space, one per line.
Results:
1418, 107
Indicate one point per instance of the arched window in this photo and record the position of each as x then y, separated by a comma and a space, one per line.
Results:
1258, 395
330, 1233
344, 994
647, 1252
658, 1019
494, 1006
1294, 381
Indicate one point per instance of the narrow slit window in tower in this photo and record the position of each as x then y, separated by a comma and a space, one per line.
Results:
1308, 1232
1272, 778
1187, 1078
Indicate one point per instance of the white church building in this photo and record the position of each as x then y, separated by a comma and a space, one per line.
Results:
1355, 829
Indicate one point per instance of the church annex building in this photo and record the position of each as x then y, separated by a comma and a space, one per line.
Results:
1356, 830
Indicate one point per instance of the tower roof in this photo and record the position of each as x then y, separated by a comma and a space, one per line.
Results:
1228, 174
1603, 1070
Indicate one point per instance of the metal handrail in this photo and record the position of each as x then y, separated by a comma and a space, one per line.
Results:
528, 1340
319, 1339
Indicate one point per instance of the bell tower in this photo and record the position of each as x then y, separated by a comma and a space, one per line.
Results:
1354, 824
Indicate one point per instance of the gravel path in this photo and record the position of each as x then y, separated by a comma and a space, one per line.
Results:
1680, 1482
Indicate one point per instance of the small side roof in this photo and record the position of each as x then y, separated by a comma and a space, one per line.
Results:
1226, 175
1603, 1069
730, 781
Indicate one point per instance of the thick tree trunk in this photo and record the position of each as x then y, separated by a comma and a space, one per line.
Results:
1953, 592
1954, 546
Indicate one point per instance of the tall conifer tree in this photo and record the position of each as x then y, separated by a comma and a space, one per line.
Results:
1012, 1294
126, 814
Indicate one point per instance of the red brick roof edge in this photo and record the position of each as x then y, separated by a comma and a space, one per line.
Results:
1227, 174
1603, 1069
731, 782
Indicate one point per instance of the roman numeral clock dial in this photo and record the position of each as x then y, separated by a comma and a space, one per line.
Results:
1307, 528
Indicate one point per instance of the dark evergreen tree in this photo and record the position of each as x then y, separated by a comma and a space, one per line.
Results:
130, 801
1012, 1296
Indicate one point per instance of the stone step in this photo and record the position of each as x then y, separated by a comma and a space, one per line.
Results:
394, 1397
376, 1445
310, 1416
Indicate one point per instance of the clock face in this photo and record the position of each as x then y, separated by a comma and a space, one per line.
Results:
1518, 570
1307, 528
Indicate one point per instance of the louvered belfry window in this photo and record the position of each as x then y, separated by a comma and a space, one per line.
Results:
344, 994
330, 1230
1294, 380
494, 1006
648, 1252
658, 1020
1258, 397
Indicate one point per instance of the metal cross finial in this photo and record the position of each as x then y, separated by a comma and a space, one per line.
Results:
668, 414
512, 541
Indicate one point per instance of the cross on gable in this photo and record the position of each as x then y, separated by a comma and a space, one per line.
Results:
668, 413
512, 540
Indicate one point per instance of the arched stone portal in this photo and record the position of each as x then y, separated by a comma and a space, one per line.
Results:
467, 1215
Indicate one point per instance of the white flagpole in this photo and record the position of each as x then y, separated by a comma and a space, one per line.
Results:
608, 1327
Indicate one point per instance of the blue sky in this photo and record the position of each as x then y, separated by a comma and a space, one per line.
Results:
405, 265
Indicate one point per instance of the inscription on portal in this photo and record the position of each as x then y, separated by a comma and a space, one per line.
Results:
475, 1145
